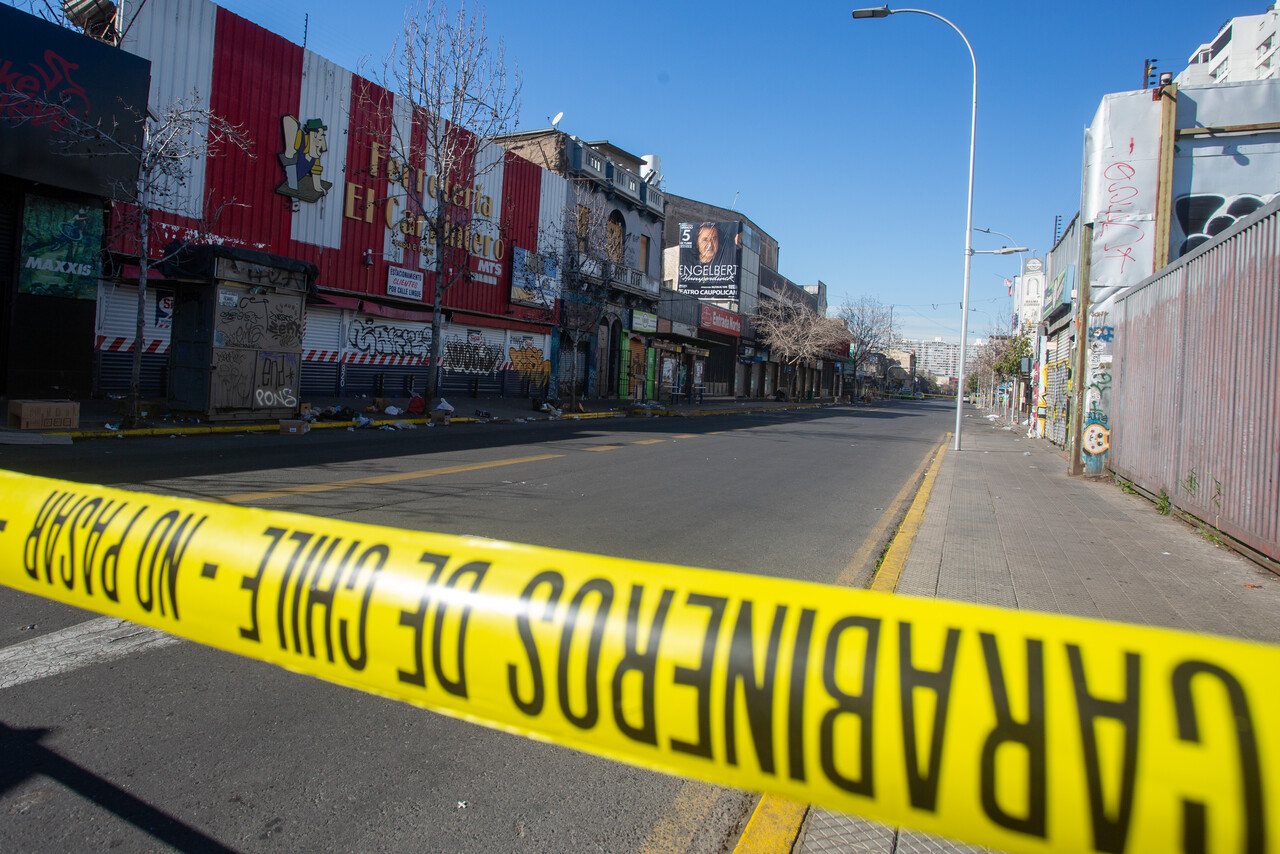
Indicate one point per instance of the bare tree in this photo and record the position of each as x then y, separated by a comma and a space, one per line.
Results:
796, 334
590, 250
454, 93
869, 323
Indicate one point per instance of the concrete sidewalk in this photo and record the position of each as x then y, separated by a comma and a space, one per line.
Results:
1004, 525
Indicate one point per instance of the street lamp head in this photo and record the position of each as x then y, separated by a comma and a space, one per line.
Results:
1009, 250
877, 12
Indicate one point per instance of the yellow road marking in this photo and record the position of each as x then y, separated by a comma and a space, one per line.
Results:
307, 488
687, 813
686, 436
649, 441
603, 448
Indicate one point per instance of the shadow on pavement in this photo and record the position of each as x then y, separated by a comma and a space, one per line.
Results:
25, 757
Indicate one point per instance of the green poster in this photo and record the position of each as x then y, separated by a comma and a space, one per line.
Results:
61, 249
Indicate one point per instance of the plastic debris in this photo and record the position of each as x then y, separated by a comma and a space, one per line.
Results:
1258, 586
392, 410
1026, 453
112, 426
405, 425
462, 805
444, 406
483, 413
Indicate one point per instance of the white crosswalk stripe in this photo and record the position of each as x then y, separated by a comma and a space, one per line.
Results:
93, 642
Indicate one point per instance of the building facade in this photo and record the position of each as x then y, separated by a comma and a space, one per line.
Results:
607, 232
1243, 49
333, 174
728, 263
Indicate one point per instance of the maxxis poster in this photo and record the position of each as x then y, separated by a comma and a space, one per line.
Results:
61, 249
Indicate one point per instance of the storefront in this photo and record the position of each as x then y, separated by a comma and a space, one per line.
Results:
722, 327
640, 360
59, 90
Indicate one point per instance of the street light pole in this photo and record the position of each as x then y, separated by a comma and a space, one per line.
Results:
884, 12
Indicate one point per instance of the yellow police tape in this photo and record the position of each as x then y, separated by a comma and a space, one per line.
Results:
1026, 732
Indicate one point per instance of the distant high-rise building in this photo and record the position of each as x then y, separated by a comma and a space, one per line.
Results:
937, 357
1243, 49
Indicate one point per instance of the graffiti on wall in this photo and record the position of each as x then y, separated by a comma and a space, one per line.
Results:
470, 354
378, 339
254, 321
1057, 401
1203, 216
530, 362
232, 384
1096, 433
276, 381
245, 379
1095, 440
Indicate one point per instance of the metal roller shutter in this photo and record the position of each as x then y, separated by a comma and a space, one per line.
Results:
473, 360
321, 350
527, 366
116, 328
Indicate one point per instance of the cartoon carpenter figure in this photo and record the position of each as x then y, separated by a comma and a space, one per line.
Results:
303, 145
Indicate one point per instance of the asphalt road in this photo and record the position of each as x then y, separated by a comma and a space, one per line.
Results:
138, 743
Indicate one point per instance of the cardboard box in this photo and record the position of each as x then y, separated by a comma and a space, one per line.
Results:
440, 418
44, 414
294, 426
304, 408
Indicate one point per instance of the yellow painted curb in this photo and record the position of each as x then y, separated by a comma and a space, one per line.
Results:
895, 557
773, 826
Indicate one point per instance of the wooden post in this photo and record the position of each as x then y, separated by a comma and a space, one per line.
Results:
1164, 173
1080, 370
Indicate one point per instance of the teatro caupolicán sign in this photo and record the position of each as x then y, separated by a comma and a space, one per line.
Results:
58, 90
478, 234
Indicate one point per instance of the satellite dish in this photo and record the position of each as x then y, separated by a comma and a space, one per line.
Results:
556, 120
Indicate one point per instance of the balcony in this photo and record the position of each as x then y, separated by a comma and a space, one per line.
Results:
622, 278
626, 279
653, 199
623, 181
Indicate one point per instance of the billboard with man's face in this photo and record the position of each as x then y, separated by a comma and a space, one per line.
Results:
710, 258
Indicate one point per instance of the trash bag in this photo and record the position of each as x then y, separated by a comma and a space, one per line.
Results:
417, 404
443, 406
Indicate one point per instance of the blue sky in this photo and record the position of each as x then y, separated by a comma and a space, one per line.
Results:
847, 141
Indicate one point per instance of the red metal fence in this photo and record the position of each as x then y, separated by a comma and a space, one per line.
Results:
1196, 403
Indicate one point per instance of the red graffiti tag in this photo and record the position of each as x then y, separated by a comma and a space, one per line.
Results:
1118, 237
44, 95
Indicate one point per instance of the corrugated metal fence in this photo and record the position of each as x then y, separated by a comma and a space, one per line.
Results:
1196, 408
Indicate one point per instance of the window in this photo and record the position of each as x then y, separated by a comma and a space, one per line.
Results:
584, 227
616, 237
644, 254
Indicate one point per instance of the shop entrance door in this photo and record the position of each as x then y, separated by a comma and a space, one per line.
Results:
636, 371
